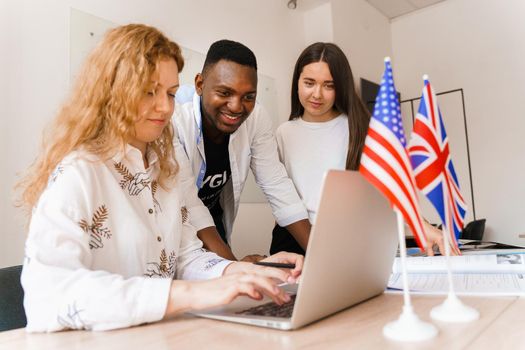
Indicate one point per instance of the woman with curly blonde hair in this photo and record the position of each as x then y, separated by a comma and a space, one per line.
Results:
110, 208
99, 114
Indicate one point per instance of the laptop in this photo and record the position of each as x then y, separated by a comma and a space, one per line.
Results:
350, 253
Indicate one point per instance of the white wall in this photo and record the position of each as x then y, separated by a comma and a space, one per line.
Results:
3, 117
317, 24
364, 35
36, 66
476, 45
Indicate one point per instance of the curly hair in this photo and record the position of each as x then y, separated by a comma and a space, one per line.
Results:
100, 113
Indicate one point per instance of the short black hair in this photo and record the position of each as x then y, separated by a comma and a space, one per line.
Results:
230, 51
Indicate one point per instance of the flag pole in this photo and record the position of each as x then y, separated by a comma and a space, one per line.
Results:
408, 327
386, 164
452, 309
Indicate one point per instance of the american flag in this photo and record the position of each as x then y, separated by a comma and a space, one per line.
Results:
385, 161
430, 155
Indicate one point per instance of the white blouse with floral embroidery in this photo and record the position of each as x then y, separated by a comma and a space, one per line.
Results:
99, 234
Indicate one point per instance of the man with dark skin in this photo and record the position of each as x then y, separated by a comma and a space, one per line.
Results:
224, 132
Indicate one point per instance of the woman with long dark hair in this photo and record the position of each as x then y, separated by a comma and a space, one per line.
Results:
326, 130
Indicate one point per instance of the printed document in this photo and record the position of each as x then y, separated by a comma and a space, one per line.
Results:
493, 263
495, 274
492, 284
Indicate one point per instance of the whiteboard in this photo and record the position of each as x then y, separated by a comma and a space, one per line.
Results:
85, 32
193, 62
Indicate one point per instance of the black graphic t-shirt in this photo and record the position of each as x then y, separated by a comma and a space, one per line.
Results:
218, 172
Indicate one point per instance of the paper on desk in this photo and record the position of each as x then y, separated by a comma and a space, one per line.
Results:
493, 263
493, 284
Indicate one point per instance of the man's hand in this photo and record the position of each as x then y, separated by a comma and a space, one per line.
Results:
288, 258
300, 230
213, 242
284, 275
253, 258
435, 236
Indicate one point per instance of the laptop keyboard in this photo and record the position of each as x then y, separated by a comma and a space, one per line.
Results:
271, 309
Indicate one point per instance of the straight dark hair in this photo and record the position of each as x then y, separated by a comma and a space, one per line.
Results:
346, 99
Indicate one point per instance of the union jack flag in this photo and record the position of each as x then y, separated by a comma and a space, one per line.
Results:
385, 162
430, 155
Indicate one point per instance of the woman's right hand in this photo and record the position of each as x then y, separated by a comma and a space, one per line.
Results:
197, 295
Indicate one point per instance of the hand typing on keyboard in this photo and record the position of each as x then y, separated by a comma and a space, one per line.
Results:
272, 309
239, 278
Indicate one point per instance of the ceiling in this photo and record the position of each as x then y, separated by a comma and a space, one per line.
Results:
389, 8
396, 8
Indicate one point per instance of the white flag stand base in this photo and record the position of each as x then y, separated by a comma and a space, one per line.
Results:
453, 310
408, 327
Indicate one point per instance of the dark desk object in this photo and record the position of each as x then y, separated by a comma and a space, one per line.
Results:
469, 246
12, 313
473, 230
481, 245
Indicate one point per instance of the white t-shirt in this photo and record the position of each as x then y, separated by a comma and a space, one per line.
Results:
308, 150
105, 242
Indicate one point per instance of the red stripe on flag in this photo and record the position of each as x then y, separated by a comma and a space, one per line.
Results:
432, 171
383, 164
427, 134
388, 146
431, 103
455, 212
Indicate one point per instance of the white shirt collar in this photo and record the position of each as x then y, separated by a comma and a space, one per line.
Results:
134, 155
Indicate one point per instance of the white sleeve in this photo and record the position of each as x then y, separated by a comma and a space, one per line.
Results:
270, 173
196, 263
199, 215
61, 291
280, 143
